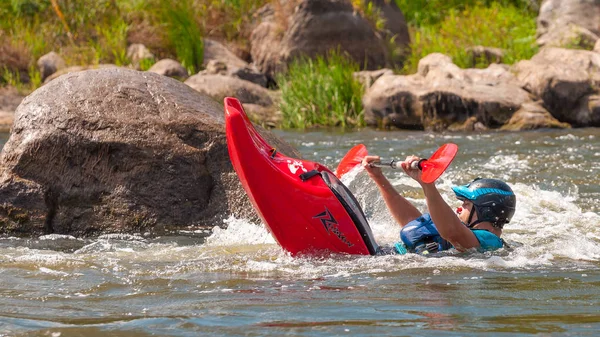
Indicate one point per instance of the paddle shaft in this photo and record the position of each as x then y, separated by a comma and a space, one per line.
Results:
396, 164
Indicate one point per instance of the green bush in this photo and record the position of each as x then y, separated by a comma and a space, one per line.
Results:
321, 92
184, 33
505, 27
430, 12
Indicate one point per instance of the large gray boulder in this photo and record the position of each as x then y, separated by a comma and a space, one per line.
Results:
564, 79
315, 28
118, 150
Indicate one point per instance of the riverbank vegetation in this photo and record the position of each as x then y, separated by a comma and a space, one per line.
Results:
92, 32
331, 97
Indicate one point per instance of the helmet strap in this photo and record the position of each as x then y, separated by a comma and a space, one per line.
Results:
468, 224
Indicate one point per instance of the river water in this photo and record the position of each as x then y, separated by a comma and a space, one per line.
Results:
238, 282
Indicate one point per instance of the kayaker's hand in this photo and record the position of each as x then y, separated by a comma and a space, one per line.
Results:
374, 172
414, 173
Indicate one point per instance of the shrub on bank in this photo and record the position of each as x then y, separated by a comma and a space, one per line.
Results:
321, 92
451, 27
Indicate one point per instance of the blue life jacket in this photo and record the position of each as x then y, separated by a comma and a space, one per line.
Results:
422, 237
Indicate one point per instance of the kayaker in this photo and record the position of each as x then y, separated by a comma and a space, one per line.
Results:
488, 204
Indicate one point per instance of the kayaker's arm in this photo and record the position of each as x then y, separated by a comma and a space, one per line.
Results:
400, 208
446, 221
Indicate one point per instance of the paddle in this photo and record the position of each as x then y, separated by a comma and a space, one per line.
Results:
432, 168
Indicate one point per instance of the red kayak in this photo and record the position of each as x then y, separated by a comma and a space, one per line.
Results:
304, 206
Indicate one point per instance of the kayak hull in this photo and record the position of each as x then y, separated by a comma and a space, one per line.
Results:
302, 203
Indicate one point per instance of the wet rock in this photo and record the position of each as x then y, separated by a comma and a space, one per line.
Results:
169, 68
315, 27
121, 237
118, 151
49, 64
562, 78
588, 110
57, 242
533, 115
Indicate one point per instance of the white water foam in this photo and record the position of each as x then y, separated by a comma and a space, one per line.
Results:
239, 232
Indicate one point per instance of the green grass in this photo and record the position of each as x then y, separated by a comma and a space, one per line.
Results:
321, 92
184, 33
431, 12
506, 27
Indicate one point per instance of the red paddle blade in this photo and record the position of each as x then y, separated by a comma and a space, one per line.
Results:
351, 159
438, 162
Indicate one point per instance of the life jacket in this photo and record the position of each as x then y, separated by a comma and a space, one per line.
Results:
422, 237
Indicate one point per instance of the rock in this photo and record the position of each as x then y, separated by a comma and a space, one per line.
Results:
438, 63
392, 101
250, 74
532, 115
221, 86
264, 116
569, 36
597, 46
441, 95
493, 75
137, 52
486, 54
367, 77
214, 67
395, 29
49, 64
471, 124
562, 78
315, 28
118, 151
10, 98
557, 14
169, 68
247, 73
215, 51
588, 110
77, 69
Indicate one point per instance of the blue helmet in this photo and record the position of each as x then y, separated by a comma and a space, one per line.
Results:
493, 200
